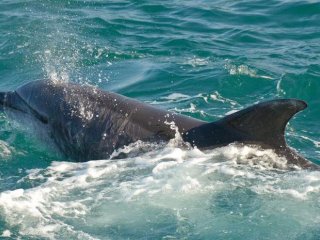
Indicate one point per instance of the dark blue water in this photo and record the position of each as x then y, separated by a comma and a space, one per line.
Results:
199, 58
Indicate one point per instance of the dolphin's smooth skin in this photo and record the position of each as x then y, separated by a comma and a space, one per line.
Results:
87, 123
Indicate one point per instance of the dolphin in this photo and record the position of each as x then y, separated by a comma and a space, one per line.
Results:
87, 123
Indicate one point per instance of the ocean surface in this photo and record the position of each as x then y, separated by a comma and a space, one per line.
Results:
201, 58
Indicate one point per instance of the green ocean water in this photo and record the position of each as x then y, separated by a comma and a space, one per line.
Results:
199, 58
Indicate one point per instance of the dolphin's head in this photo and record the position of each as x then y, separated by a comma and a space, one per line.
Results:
33, 106
54, 102
61, 111
29, 99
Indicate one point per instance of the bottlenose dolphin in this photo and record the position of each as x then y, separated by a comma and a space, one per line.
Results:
87, 123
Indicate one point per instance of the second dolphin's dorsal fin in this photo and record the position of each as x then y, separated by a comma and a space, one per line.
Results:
264, 122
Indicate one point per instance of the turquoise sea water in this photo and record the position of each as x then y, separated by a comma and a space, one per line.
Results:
199, 58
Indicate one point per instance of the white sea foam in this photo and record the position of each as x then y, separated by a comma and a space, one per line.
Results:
176, 96
5, 150
216, 96
197, 61
243, 69
169, 184
6, 234
316, 143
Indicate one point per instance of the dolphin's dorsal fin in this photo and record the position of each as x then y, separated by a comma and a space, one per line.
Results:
264, 122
